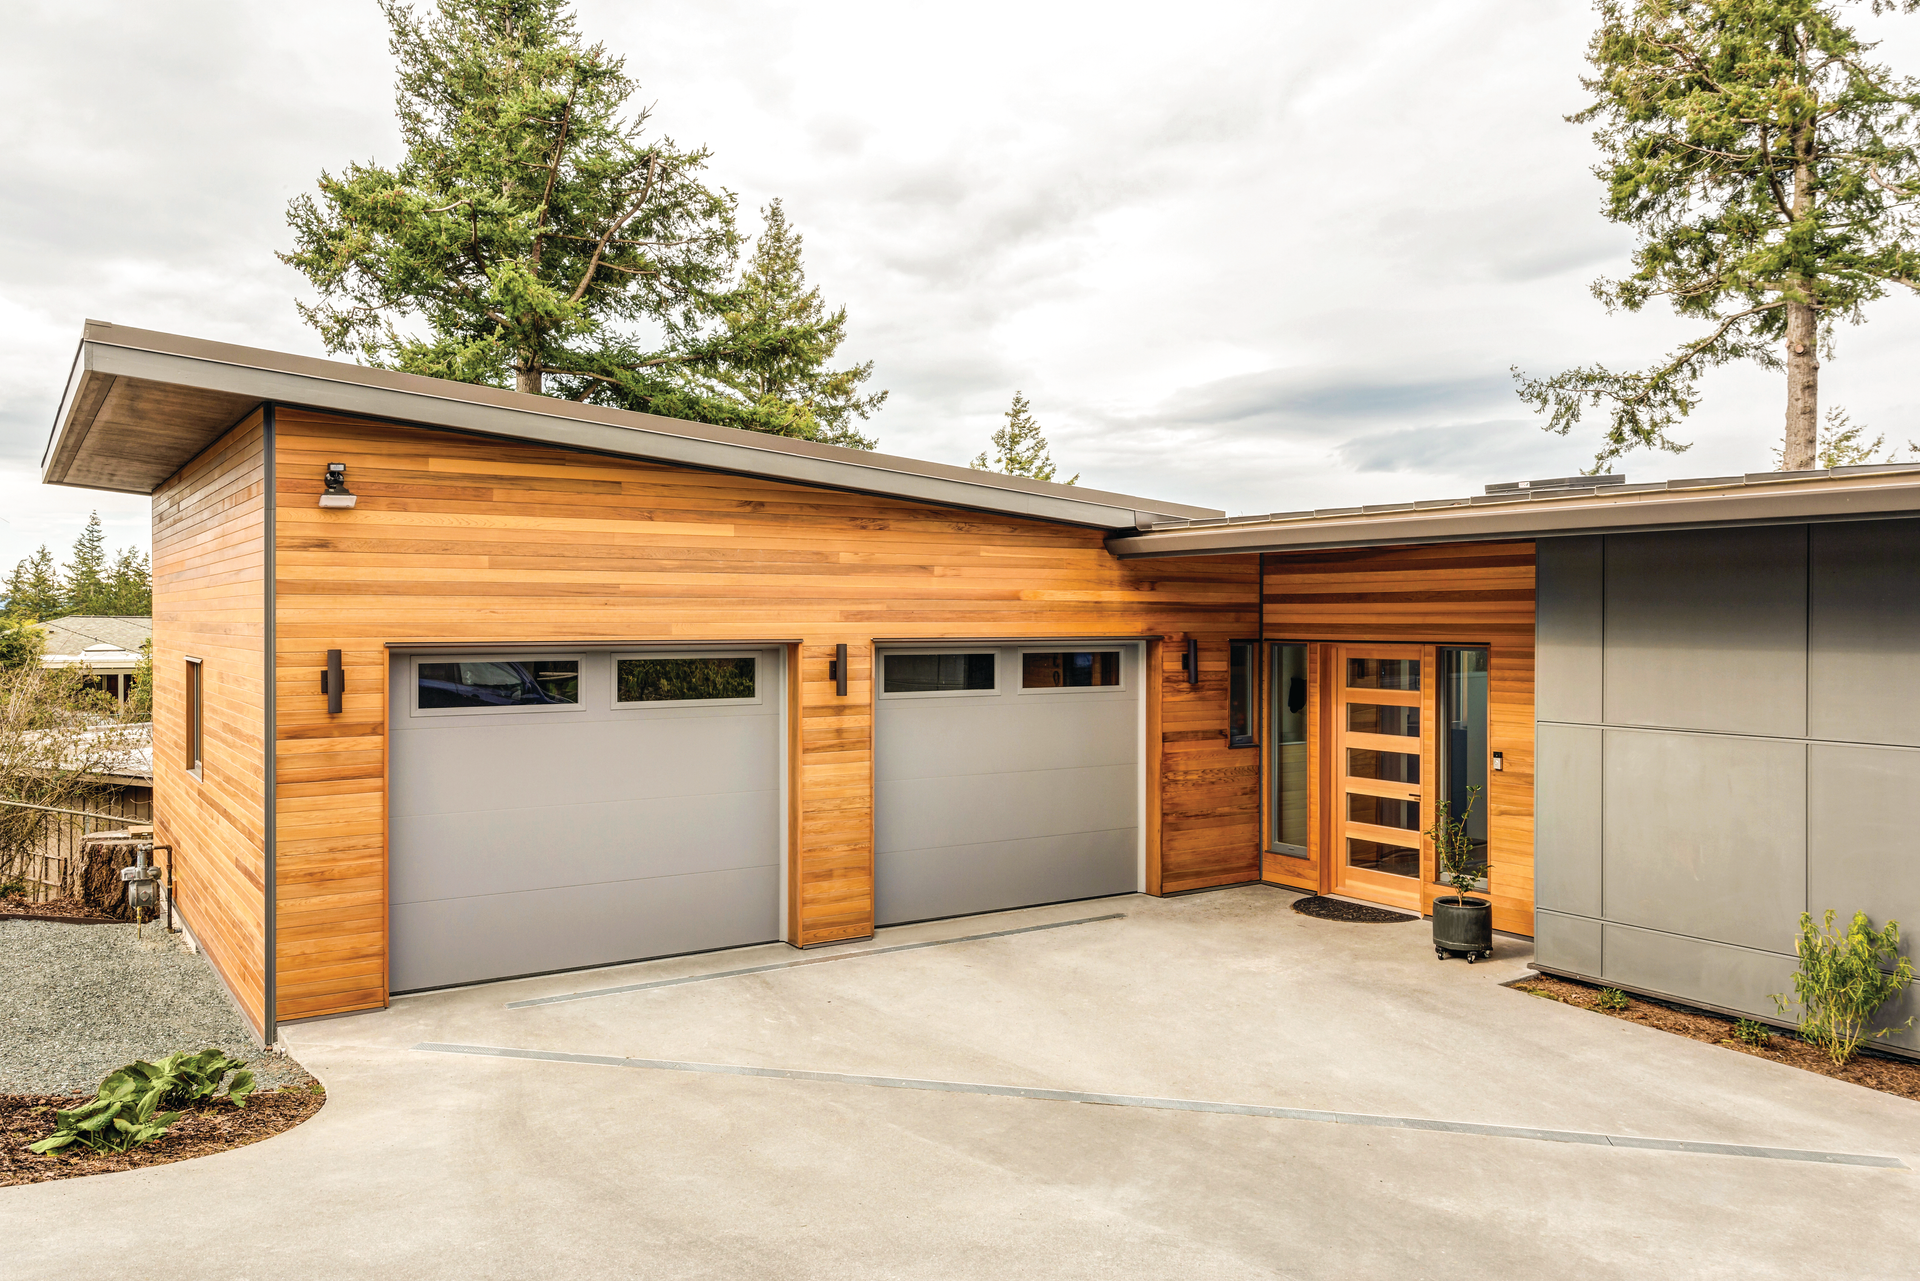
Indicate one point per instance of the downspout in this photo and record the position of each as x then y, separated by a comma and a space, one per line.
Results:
270, 1014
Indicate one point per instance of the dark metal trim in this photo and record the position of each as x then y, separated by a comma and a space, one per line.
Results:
270, 1006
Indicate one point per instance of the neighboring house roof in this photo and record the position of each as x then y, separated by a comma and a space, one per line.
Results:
1545, 508
140, 404
78, 632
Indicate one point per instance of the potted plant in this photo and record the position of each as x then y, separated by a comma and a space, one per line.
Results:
1460, 923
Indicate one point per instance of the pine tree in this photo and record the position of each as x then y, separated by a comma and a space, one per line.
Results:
130, 585
34, 590
88, 591
792, 337
533, 235
1020, 448
1773, 174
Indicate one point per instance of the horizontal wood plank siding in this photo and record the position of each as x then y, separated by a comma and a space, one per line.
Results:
1454, 594
209, 602
473, 541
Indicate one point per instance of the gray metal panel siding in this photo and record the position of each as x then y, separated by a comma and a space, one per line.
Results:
1567, 615
1864, 679
1570, 943
1706, 835
1005, 798
1734, 978
1861, 851
524, 841
1567, 868
1708, 630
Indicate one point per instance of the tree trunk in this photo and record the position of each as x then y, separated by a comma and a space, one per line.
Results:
526, 377
1803, 389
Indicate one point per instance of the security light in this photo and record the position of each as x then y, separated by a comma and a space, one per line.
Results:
336, 493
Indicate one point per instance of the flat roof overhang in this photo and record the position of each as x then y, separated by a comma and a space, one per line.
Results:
139, 405
1761, 498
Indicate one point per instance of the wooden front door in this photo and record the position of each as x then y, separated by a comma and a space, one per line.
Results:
1381, 772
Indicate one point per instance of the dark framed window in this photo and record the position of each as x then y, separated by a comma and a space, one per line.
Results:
699, 678
1243, 692
936, 673
1462, 741
195, 717
1071, 669
493, 684
1287, 720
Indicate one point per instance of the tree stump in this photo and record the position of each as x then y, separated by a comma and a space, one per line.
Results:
102, 855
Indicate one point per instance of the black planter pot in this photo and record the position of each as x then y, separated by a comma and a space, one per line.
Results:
1462, 925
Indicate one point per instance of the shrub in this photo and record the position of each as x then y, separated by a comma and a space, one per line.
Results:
1750, 1032
121, 1115
1611, 999
1843, 980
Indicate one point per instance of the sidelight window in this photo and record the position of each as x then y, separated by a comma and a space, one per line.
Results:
1462, 740
1287, 688
1243, 680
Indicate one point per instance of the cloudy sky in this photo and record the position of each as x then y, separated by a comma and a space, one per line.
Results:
1259, 256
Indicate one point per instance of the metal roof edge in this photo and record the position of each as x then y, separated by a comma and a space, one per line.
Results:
338, 387
1889, 492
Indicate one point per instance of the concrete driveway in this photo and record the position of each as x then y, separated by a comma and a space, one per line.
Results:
864, 1151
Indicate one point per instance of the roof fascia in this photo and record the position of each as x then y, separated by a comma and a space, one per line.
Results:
108, 352
1788, 504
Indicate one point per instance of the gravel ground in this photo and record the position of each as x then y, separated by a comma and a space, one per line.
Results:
78, 1001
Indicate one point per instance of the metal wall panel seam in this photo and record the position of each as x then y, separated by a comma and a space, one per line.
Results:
269, 697
1723, 733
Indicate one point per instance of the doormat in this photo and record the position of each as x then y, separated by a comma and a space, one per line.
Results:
1335, 909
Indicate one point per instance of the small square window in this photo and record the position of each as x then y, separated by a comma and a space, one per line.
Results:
936, 673
492, 684
1072, 669
684, 678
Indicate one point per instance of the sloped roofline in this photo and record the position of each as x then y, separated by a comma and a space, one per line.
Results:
140, 404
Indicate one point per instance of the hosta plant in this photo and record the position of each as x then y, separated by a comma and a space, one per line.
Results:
122, 1115
1843, 980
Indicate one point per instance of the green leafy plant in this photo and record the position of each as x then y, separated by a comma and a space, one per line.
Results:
122, 1115
1453, 847
1611, 999
1751, 1032
1843, 980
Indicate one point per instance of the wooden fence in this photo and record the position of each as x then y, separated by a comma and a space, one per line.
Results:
49, 865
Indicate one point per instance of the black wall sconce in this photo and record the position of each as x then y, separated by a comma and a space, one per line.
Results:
333, 682
336, 494
837, 668
1190, 661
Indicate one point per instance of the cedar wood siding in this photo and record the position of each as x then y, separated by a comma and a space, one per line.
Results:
1455, 593
472, 541
209, 601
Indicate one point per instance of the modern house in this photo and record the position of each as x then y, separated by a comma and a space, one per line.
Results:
456, 684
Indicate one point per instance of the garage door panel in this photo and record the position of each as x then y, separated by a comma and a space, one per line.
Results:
505, 851
528, 841
487, 764
451, 940
916, 813
994, 801
960, 880
939, 738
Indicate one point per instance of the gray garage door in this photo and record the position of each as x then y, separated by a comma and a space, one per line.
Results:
1005, 776
580, 808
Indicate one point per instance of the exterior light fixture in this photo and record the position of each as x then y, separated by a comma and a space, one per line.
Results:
336, 493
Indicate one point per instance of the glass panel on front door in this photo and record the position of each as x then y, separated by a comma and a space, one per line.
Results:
1383, 807
1288, 721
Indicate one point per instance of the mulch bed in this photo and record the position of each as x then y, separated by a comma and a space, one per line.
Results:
216, 1127
1875, 1071
1335, 909
64, 910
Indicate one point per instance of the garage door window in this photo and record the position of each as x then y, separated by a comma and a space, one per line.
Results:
937, 674
490, 685
1076, 669
642, 680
